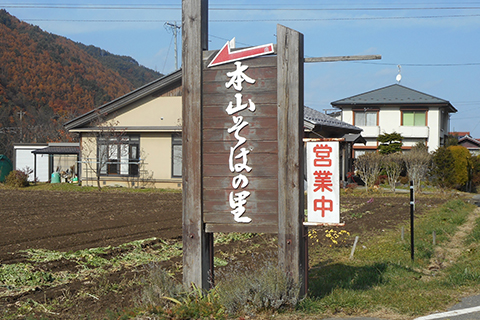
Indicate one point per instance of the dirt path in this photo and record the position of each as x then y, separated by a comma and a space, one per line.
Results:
444, 256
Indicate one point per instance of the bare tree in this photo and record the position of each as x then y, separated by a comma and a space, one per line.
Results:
368, 167
102, 148
417, 162
144, 178
393, 164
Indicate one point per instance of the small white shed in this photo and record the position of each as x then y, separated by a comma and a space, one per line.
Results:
23, 158
44, 159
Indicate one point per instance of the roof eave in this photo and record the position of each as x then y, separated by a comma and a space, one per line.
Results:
448, 105
124, 100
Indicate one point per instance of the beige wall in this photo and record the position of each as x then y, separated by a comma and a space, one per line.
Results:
154, 147
155, 120
151, 112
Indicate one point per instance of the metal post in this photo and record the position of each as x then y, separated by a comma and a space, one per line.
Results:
412, 208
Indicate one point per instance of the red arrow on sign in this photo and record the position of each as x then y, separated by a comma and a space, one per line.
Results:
226, 56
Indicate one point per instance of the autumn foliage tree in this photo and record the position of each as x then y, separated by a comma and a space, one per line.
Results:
46, 80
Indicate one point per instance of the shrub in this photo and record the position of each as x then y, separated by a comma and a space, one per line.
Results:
404, 180
462, 165
247, 290
162, 295
158, 286
382, 179
351, 185
443, 168
239, 290
17, 178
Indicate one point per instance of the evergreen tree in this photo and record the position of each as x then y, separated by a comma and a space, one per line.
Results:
463, 167
390, 143
451, 140
443, 168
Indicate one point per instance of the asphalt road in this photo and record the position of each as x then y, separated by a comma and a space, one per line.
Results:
467, 309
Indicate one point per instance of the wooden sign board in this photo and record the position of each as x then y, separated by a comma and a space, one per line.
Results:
242, 166
256, 127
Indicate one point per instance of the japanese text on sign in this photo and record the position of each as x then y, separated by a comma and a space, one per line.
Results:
323, 182
238, 159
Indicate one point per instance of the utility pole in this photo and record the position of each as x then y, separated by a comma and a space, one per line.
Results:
174, 28
21, 114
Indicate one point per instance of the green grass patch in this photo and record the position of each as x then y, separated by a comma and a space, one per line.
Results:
226, 238
382, 276
94, 262
466, 270
475, 235
21, 274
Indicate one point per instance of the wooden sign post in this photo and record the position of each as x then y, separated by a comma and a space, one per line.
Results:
291, 232
197, 244
242, 146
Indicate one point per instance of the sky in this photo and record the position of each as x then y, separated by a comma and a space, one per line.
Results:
435, 43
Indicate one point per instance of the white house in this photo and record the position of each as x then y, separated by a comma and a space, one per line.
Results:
417, 116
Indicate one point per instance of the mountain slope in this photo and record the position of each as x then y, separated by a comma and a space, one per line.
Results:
126, 66
46, 80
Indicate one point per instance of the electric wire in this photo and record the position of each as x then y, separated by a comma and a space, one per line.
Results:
258, 20
421, 64
168, 52
226, 7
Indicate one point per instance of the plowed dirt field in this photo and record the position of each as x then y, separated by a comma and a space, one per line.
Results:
71, 221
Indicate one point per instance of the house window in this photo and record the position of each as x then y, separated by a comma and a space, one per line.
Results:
365, 118
119, 155
177, 155
414, 118
358, 153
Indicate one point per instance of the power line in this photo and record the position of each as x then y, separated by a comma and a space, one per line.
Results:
257, 20
423, 64
96, 20
349, 18
346, 9
238, 42
225, 7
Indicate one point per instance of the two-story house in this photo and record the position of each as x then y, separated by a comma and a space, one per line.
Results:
417, 116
